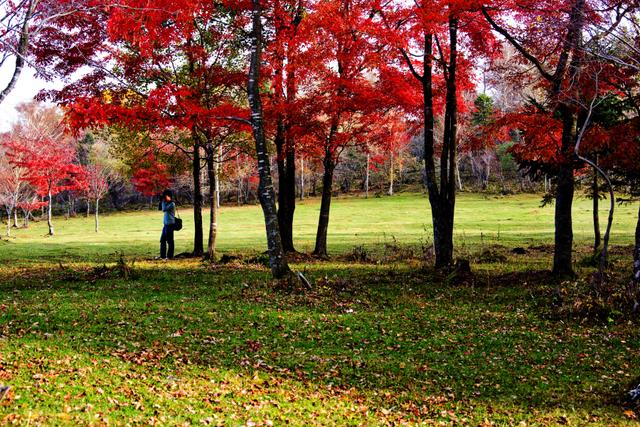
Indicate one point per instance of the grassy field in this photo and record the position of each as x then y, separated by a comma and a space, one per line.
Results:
403, 219
375, 343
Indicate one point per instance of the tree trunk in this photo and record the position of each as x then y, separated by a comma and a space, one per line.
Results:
266, 194
15, 218
596, 214
216, 169
562, 259
367, 177
96, 215
198, 241
325, 205
443, 217
636, 255
302, 178
286, 187
487, 174
239, 184
314, 185
49, 215
391, 176
458, 177
442, 199
26, 214
21, 52
212, 174
88, 208
8, 222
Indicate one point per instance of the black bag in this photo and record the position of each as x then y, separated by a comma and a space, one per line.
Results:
177, 225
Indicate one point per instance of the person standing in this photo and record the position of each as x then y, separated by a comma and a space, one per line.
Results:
168, 207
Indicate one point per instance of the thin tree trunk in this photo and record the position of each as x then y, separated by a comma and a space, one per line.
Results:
49, 215
217, 171
239, 184
198, 240
636, 255
96, 215
314, 185
367, 177
213, 205
302, 178
325, 205
391, 176
458, 178
8, 222
596, 214
88, 208
487, 175
22, 50
266, 194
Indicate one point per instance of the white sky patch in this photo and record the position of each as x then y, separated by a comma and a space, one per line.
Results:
26, 89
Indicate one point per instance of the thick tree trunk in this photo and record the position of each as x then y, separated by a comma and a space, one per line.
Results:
443, 217
97, 218
286, 188
325, 205
198, 242
562, 259
266, 193
213, 205
596, 214
26, 214
442, 197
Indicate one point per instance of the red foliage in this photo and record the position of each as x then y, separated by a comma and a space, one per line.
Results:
49, 165
150, 176
167, 70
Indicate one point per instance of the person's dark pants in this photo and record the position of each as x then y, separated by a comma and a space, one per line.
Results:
167, 240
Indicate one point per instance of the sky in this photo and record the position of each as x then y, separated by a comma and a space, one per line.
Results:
27, 87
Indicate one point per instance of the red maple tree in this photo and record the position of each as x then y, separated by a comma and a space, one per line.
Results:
50, 168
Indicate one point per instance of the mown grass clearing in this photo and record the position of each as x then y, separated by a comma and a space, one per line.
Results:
375, 343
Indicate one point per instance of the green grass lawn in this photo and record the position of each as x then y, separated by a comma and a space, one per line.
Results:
406, 219
378, 343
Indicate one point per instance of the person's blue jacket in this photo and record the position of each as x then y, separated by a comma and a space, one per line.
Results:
169, 209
